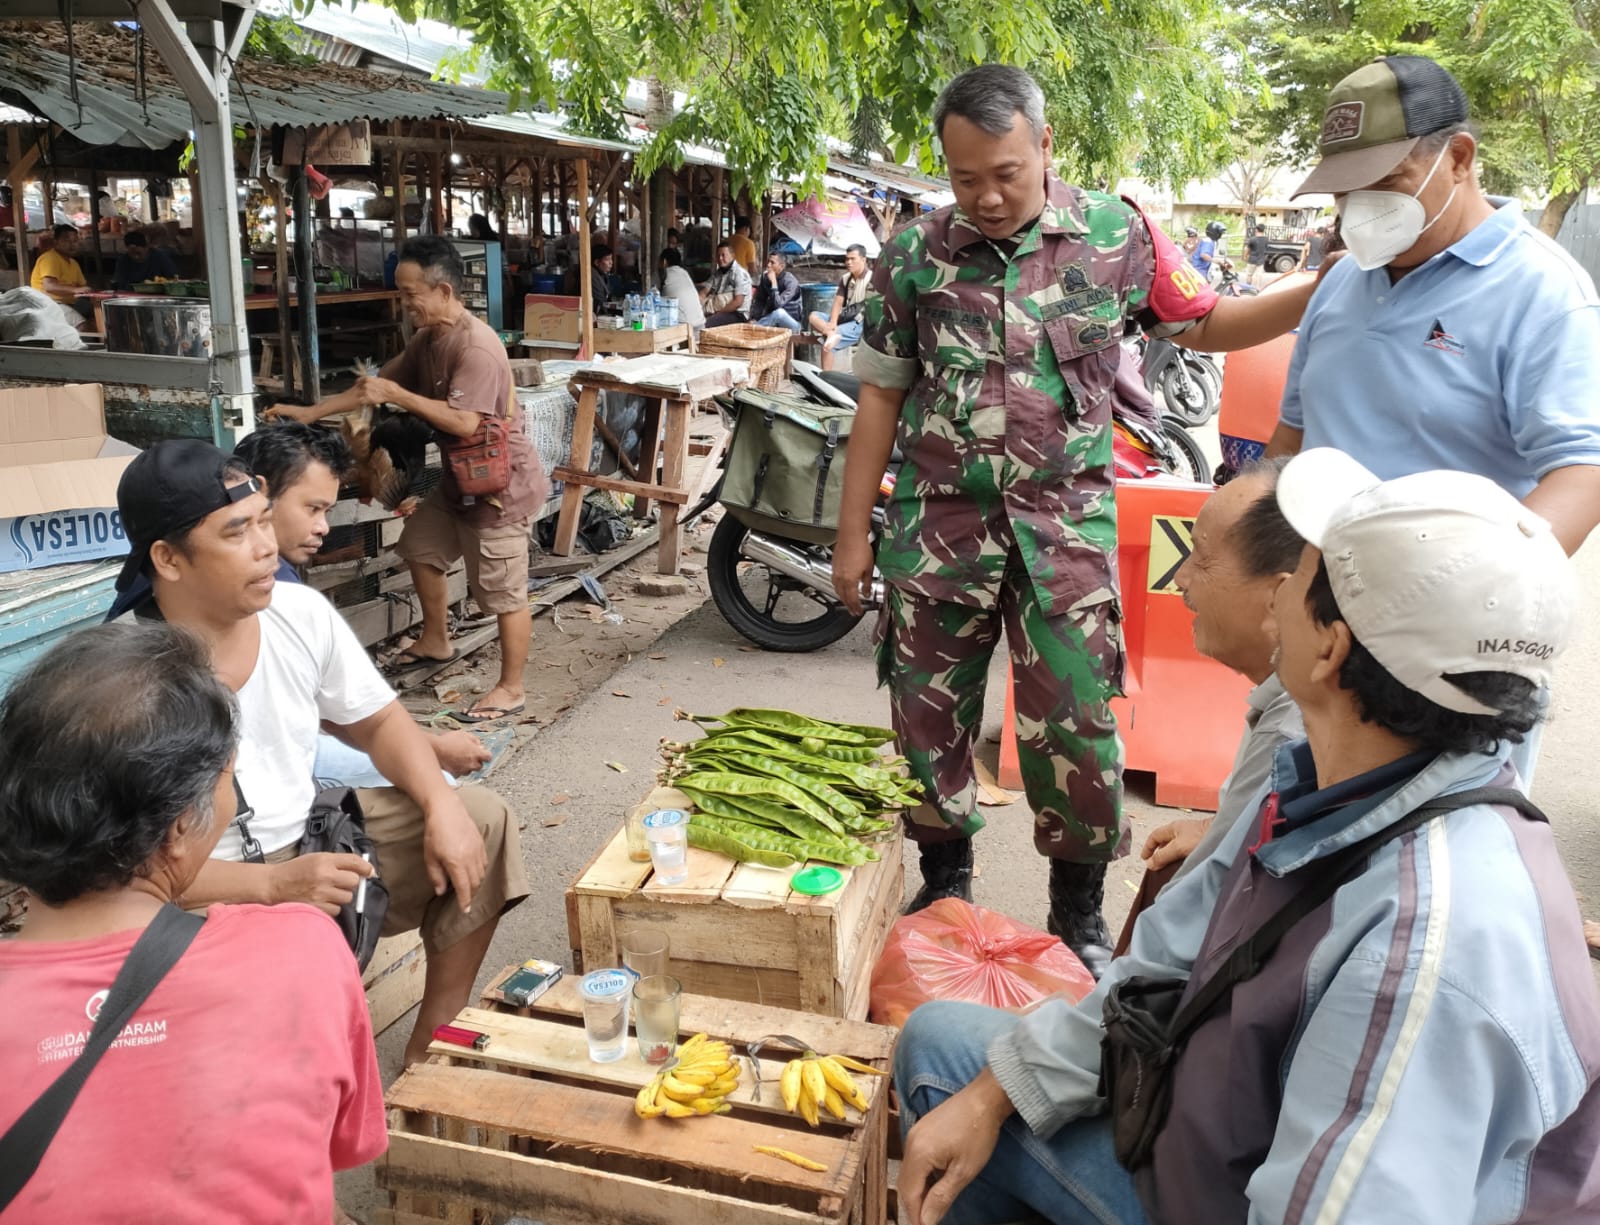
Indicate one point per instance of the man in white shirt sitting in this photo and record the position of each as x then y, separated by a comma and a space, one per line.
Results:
200, 526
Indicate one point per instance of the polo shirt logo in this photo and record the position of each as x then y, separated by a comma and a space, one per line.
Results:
1342, 122
1440, 339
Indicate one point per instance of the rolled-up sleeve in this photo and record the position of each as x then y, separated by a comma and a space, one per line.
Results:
887, 355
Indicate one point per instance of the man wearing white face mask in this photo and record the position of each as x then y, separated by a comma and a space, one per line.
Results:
1454, 335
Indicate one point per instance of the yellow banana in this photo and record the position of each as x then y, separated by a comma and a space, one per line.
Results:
805, 1163
678, 1091
694, 1076
855, 1065
724, 1085
645, 1104
836, 1076
833, 1102
811, 1077
677, 1110
706, 1105
808, 1104
789, 1084
688, 1047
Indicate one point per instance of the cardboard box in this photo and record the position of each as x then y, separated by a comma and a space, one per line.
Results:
549, 316
58, 477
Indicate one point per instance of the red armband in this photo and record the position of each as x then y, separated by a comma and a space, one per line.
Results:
1178, 293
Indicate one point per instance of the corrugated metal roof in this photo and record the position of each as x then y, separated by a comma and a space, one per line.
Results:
33, 63
419, 45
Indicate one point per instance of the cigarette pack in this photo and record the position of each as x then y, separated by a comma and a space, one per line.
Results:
533, 978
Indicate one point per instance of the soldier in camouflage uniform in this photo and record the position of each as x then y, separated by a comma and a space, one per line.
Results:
991, 345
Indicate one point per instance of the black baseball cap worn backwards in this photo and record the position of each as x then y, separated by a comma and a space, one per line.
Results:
169, 487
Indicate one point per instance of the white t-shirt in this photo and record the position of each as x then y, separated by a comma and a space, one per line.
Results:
680, 285
311, 668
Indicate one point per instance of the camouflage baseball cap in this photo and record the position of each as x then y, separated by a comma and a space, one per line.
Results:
1375, 117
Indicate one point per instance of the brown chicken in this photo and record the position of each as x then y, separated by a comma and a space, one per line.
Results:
390, 450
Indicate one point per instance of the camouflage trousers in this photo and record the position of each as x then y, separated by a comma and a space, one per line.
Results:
934, 658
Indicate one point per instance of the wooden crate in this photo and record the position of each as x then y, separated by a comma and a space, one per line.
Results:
530, 1127
738, 931
394, 978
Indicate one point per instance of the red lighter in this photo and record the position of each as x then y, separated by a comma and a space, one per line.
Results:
457, 1036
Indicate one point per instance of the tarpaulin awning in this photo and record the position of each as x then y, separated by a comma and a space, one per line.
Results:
828, 227
114, 107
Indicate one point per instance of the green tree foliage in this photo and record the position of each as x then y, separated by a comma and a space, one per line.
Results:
1531, 69
768, 80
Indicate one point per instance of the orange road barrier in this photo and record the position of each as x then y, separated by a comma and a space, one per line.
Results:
1183, 714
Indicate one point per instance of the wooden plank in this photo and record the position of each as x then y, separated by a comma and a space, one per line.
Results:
763, 939
708, 872
597, 932
603, 565
557, 1047
674, 458
817, 936
616, 484
754, 887
582, 444
581, 1116
376, 620
465, 644
721, 1018
398, 990
559, 1194
612, 873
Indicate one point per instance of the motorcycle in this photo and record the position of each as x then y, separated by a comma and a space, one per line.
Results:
1229, 284
777, 591
1190, 383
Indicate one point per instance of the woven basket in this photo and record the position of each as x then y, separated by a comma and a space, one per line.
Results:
766, 349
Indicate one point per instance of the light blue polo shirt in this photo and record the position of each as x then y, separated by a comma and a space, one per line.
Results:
1485, 359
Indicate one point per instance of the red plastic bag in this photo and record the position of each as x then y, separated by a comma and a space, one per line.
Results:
956, 951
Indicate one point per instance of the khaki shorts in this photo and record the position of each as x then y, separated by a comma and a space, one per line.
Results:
496, 557
394, 823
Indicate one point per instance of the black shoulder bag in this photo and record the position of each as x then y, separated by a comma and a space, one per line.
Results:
154, 953
335, 825
1145, 1027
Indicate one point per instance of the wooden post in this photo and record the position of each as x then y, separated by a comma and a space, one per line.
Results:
436, 191
19, 211
306, 288
614, 201
94, 223
280, 201
719, 190
399, 199
645, 223
585, 276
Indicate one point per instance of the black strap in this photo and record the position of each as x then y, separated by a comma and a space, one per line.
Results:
830, 444
155, 952
1248, 958
249, 845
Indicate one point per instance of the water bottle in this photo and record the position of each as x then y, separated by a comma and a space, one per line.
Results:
656, 312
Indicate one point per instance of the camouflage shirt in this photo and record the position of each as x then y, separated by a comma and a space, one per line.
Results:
1009, 358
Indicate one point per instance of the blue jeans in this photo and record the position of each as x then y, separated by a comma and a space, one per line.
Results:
340, 765
1073, 1178
779, 319
849, 335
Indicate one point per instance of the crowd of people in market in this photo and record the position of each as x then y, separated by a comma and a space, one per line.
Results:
1359, 993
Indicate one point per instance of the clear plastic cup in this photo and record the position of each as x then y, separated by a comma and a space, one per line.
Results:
645, 951
655, 1016
605, 1013
667, 832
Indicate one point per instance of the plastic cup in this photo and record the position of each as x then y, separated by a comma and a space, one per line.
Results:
667, 832
605, 1013
645, 951
655, 1016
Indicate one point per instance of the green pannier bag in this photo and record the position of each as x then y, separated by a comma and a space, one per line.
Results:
785, 469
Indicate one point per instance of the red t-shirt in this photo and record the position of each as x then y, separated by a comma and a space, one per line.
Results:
243, 1082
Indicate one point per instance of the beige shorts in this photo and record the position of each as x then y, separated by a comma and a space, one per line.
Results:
496, 557
394, 823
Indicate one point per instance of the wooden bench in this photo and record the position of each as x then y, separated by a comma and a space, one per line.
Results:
529, 1126
394, 979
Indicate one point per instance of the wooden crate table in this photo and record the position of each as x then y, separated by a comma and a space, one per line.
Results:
671, 384
530, 1127
648, 340
738, 930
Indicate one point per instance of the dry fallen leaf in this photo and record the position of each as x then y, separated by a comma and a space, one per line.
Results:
621, 693
561, 797
658, 657
664, 702
990, 793
554, 819
617, 766
717, 661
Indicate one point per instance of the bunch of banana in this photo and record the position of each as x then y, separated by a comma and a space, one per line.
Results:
704, 1074
821, 1082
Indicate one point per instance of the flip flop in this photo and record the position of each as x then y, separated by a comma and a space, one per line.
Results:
488, 714
409, 659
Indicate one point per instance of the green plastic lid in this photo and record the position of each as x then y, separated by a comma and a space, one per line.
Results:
816, 879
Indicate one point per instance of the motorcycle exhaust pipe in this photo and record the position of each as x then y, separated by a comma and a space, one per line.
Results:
801, 567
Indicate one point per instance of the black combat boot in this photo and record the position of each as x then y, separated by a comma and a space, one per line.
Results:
1077, 891
946, 872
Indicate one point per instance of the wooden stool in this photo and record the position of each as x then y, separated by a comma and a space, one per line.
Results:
671, 384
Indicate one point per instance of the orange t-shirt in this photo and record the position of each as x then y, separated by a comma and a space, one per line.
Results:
744, 252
